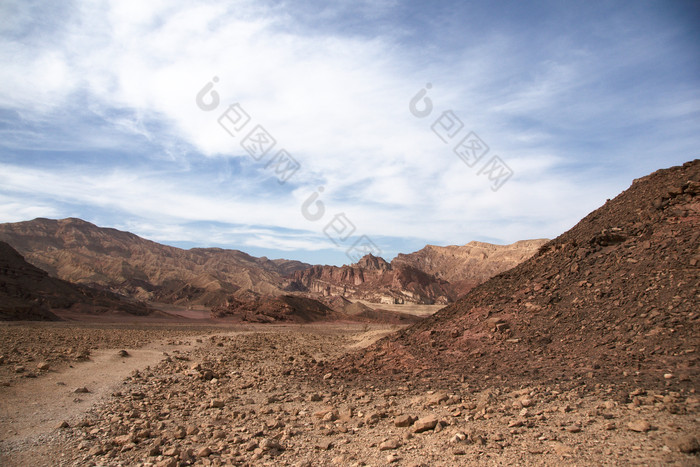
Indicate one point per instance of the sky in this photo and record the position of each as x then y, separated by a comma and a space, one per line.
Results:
322, 131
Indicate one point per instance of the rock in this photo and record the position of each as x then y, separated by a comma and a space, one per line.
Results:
324, 445
391, 458
425, 424
43, 366
19, 369
179, 433
252, 445
169, 462
172, 451
81, 390
63, 424
668, 376
404, 421
437, 399
389, 445
124, 354
526, 402
573, 429
216, 403
458, 437
640, 426
268, 444
687, 444
204, 452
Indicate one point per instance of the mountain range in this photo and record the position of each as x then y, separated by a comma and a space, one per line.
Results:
127, 265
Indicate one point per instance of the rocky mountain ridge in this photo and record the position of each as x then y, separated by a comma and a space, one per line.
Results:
80, 252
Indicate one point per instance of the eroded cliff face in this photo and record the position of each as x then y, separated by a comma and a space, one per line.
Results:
374, 280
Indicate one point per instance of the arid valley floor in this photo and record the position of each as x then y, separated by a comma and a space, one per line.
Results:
259, 395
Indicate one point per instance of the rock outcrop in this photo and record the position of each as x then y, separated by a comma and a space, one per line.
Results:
374, 280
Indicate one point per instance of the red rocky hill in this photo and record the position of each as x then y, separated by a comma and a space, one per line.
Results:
616, 298
28, 293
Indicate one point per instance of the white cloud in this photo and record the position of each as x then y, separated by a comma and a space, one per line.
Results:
337, 102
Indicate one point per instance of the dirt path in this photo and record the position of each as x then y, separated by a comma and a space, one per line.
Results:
31, 411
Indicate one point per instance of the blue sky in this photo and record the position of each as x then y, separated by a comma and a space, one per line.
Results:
99, 117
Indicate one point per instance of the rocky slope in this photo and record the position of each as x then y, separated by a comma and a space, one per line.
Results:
467, 266
613, 299
374, 280
80, 252
28, 293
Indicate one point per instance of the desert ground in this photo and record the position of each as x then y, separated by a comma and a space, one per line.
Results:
163, 394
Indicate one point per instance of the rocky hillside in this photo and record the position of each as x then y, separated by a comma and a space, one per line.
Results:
28, 293
613, 299
80, 252
374, 280
467, 266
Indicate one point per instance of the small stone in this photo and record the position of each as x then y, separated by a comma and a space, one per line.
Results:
82, 390
404, 421
124, 354
389, 445
324, 445
687, 444
180, 433
216, 403
526, 402
573, 429
63, 424
391, 458
96, 451
43, 366
204, 452
19, 369
458, 437
169, 462
251, 446
437, 399
171, 452
668, 375
640, 426
425, 424
328, 376
610, 426
270, 444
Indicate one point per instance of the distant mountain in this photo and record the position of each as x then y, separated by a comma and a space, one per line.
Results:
613, 299
433, 275
467, 266
80, 252
28, 293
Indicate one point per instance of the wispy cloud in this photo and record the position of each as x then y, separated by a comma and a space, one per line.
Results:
571, 99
